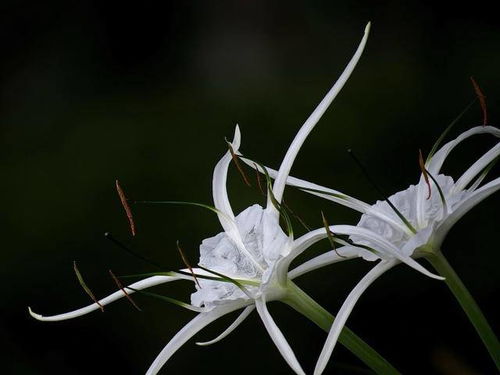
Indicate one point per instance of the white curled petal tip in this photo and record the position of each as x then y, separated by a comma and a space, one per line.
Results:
143, 284
278, 338
312, 120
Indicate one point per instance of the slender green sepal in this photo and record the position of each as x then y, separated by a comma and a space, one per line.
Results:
469, 305
168, 299
379, 190
446, 131
330, 235
483, 174
230, 280
440, 191
274, 201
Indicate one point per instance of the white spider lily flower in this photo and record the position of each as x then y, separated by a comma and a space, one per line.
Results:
415, 228
251, 259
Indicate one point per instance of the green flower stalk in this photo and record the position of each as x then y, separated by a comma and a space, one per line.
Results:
413, 223
247, 265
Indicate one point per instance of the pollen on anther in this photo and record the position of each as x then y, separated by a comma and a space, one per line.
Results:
120, 285
126, 207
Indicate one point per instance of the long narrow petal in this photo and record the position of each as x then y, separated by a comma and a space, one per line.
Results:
143, 284
436, 162
345, 311
188, 331
334, 196
278, 338
244, 314
286, 164
383, 246
330, 257
221, 200
477, 167
465, 206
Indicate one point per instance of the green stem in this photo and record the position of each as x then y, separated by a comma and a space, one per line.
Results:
305, 305
468, 304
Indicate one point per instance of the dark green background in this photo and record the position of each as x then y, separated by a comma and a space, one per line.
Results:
146, 92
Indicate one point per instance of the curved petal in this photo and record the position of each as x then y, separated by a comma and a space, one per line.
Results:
332, 256
383, 246
278, 338
286, 164
244, 314
465, 206
143, 284
477, 167
333, 195
346, 309
434, 165
221, 200
188, 331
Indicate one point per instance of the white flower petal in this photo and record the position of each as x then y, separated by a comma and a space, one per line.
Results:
143, 284
278, 338
221, 200
188, 331
436, 162
346, 309
286, 164
333, 256
465, 206
244, 314
477, 167
346, 200
383, 246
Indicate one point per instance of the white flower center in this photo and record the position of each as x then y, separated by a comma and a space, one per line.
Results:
406, 202
264, 239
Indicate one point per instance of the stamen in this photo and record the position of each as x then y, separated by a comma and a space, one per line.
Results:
238, 165
297, 217
482, 100
130, 251
258, 180
85, 287
330, 235
441, 194
186, 263
126, 207
119, 284
372, 182
446, 131
424, 172
168, 299
274, 201
229, 279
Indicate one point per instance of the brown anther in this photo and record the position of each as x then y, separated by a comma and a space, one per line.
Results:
186, 263
120, 285
238, 165
482, 100
421, 163
85, 287
126, 207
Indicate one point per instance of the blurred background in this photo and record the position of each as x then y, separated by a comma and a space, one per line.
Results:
145, 92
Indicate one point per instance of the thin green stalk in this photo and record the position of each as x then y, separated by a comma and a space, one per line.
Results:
305, 305
468, 304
